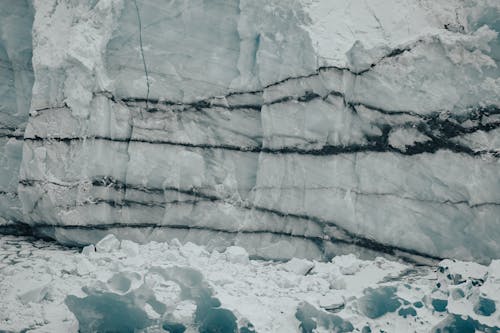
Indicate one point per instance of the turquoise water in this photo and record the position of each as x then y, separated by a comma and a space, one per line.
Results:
310, 318
377, 302
110, 312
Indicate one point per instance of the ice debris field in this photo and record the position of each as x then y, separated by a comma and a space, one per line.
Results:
121, 286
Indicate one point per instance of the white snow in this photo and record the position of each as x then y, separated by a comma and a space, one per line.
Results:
298, 266
336, 25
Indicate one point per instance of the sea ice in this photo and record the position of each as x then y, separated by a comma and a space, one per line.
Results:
172, 287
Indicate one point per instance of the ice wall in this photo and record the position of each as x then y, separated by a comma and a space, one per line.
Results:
16, 81
292, 128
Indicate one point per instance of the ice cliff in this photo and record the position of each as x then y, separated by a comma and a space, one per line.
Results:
16, 81
291, 128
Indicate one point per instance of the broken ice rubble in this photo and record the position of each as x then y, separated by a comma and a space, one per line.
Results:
170, 287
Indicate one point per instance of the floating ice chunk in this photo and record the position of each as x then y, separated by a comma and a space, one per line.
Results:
338, 284
176, 243
191, 250
237, 255
299, 266
287, 280
463, 269
457, 294
332, 302
108, 244
150, 311
166, 292
491, 288
84, 266
348, 264
310, 318
88, 250
34, 290
130, 248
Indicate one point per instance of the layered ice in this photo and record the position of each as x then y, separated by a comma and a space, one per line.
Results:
290, 128
16, 81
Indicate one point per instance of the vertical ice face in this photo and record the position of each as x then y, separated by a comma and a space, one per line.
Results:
16, 81
292, 128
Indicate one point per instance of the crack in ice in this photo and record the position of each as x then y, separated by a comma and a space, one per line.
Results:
142, 51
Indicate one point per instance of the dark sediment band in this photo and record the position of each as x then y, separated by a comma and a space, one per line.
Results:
348, 238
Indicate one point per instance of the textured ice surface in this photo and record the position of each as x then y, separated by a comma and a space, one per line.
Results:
16, 81
187, 288
291, 128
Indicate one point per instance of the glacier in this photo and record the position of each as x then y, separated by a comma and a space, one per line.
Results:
292, 128
249, 166
16, 82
